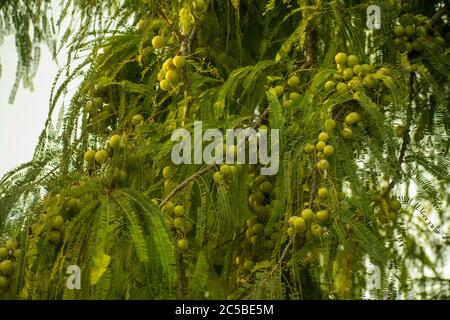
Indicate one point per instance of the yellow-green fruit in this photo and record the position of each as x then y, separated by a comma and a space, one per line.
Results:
73, 205
179, 62
98, 102
367, 68
258, 228
291, 232
218, 177
225, 170
101, 156
115, 141
322, 192
165, 85
178, 211
323, 136
322, 215
6, 267
288, 104
11, 244
347, 73
252, 221
18, 253
341, 58
169, 65
410, 30
299, 224
347, 133
395, 205
328, 151
158, 42
320, 145
329, 85
167, 172
137, 120
161, 75
265, 187
357, 69
330, 124
384, 71
293, 81
3, 283
89, 155
168, 207
172, 76
3, 253
323, 164
178, 223
352, 118
249, 265
54, 237
309, 148
308, 214
352, 60
316, 230
370, 82
294, 96
58, 222
279, 90
354, 83
183, 244
341, 87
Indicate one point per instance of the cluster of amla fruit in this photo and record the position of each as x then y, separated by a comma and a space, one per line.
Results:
411, 31
170, 74
322, 150
9, 254
288, 92
351, 74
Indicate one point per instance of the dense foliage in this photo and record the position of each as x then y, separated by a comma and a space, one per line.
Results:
364, 126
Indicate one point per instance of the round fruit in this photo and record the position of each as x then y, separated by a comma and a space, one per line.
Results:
158, 42
167, 172
98, 102
137, 120
328, 150
323, 164
169, 65
168, 185
370, 82
322, 215
3, 252
417, 46
168, 207
172, 76
89, 155
348, 73
320, 145
265, 187
291, 232
258, 228
58, 222
279, 90
358, 69
11, 244
294, 96
288, 104
347, 133
341, 87
293, 81
322, 192
161, 75
329, 85
249, 265
366, 68
252, 221
3, 283
323, 136
225, 170
115, 141
165, 85
18, 253
178, 223
341, 58
330, 124
352, 118
410, 30
179, 62
54, 236
354, 83
218, 177
399, 31
90, 107
395, 205
183, 244
101, 156
352, 60
6, 267
299, 224
309, 148
316, 230
307, 214
178, 211
384, 71
73, 205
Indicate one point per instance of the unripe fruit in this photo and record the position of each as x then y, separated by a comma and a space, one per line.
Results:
288, 104
137, 120
167, 172
316, 230
3, 283
309, 148
251, 221
178, 211
265, 187
367, 68
410, 30
291, 232
323, 164
384, 71
307, 214
169, 65
179, 62
172, 76
6, 267
58, 222
352, 118
322, 192
218, 177
399, 31
417, 46
3, 252
293, 81
299, 224
341, 87
329, 85
54, 236
395, 205
115, 141
323, 136
352, 60
98, 102
90, 107
178, 223
328, 150
101, 156
322, 215
258, 228
158, 42
320, 145
341, 58
279, 90
168, 207
183, 244
89, 155
249, 265
354, 83
161, 75
370, 82
294, 96
225, 170
330, 124
348, 73
165, 85
347, 133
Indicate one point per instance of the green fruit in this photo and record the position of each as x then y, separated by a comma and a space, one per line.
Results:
341, 87
3, 252
158, 42
258, 228
172, 76
90, 107
291, 232
249, 265
3, 283
329, 85
279, 90
322, 192
183, 244
330, 124
316, 230
178, 223
294, 96
6, 267
115, 141
384, 71
251, 221
307, 214
348, 73
293, 81
323, 164
218, 177
265, 187
179, 62
347, 133
18, 253
341, 58
54, 236
254, 239
323, 136
178, 211
137, 120
354, 83
225, 170
395, 205
328, 151
320, 145
57, 222
366, 68
387, 100
98, 102
410, 30
167, 172
73, 205
89, 155
101, 156
417, 46
352, 60
287, 104
309, 148
358, 69
249, 233
370, 82
399, 31
299, 224
165, 85
352, 118
322, 215
168, 207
